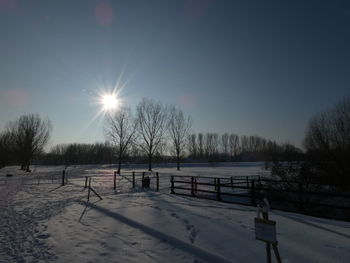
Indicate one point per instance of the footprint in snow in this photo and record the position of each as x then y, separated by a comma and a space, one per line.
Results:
175, 215
193, 232
43, 236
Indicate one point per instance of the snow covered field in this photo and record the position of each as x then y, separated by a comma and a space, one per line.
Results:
42, 221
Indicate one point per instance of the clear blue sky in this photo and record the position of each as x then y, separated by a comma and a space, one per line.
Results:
248, 67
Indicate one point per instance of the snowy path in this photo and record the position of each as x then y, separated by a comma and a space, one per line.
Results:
21, 240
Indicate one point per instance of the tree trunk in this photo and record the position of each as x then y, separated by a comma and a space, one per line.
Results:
178, 162
150, 162
119, 165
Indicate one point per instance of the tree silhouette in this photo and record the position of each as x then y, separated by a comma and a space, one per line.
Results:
152, 120
179, 127
6, 149
120, 130
29, 135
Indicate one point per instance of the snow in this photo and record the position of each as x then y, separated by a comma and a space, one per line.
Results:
47, 222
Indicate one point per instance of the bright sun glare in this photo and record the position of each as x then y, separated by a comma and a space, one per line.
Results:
109, 102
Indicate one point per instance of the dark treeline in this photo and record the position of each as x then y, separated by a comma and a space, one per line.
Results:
232, 147
208, 147
96, 153
80, 153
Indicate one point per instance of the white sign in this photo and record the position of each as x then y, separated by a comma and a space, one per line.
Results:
265, 230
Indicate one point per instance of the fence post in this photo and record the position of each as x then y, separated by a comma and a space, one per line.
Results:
195, 185
253, 192
143, 175
215, 184
218, 189
115, 180
157, 175
66, 178
231, 182
301, 201
268, 246
247, 181
133, 179
89, 189
63, 174
192, 186
172, 185
86, 181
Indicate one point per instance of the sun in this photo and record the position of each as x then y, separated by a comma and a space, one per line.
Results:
109, 102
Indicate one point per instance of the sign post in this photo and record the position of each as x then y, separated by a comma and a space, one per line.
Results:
265, 230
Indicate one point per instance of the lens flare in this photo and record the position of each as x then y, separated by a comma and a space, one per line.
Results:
109, 102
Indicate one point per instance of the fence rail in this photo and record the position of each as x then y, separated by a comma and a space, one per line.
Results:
283, 195
142, 175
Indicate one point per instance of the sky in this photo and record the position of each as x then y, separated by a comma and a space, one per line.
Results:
245, 67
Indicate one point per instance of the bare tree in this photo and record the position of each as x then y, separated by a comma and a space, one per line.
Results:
29, 135
179, 126
234, 145
6, 149
192, 145
200, 145
252, 143
152, 120
215, 145
211, 145
120, 129
225, 144
245, 147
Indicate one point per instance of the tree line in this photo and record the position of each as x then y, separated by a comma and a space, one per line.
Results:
232, 147
107, 153
155, 132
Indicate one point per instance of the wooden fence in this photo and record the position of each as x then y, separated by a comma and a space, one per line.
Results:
138, 177
308, 198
